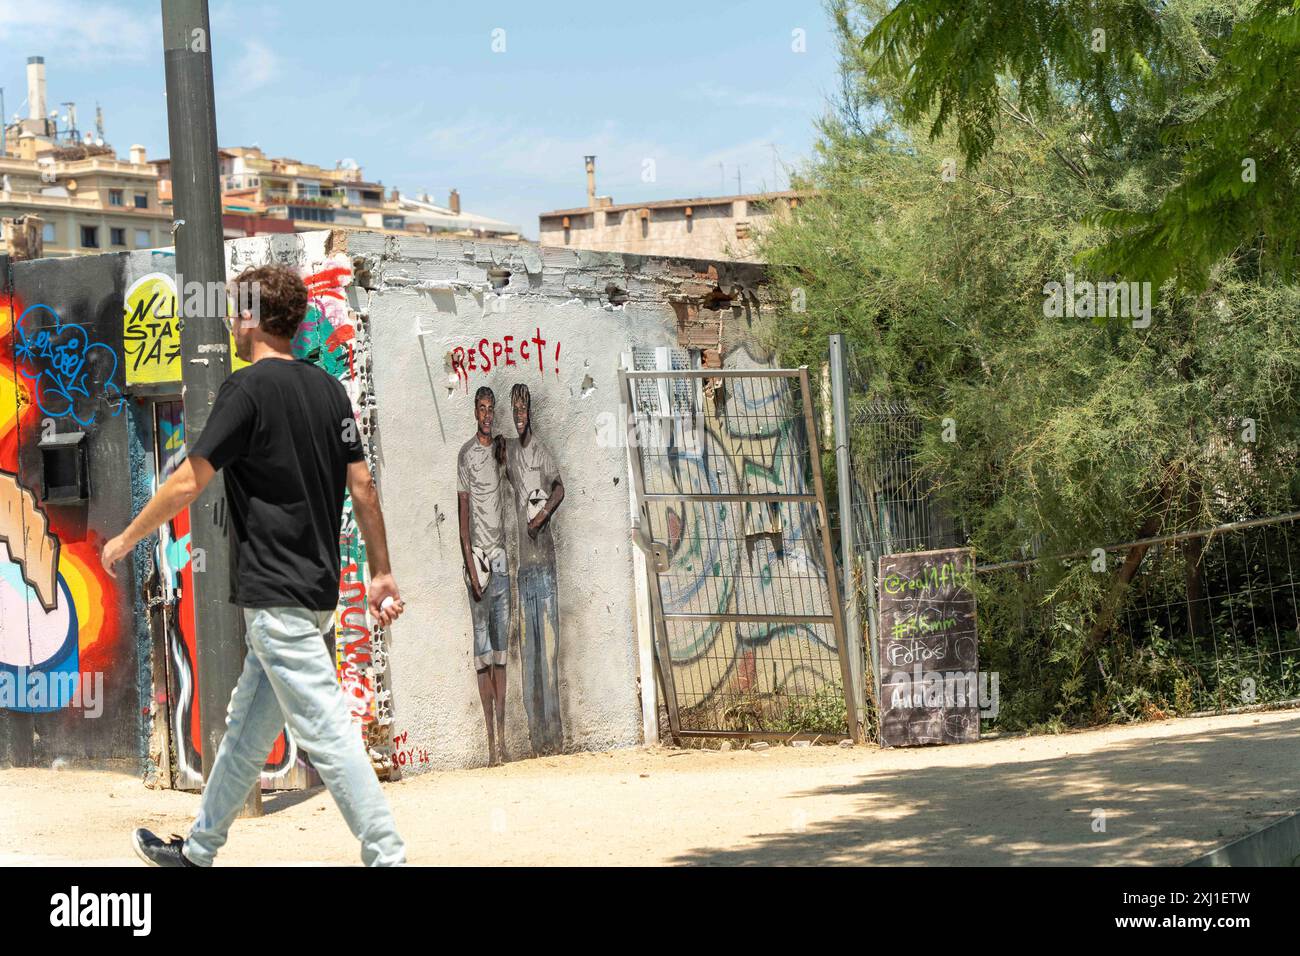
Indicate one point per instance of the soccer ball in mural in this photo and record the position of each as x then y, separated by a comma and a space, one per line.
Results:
536, 500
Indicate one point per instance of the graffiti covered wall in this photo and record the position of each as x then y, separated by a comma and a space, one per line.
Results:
729, 558
331, 336
509, 532
70, 670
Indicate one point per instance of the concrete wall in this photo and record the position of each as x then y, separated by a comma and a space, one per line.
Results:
426, 300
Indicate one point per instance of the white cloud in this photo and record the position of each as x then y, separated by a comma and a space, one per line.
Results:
726, 96
81, 32
256, 66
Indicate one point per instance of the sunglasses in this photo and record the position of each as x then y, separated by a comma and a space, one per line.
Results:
233, 314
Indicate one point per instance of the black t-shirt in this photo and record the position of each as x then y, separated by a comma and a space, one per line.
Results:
284, 433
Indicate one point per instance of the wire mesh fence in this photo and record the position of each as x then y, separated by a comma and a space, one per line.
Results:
1204, 620
893, 507
748, 621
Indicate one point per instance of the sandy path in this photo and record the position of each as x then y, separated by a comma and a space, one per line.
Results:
1170, 791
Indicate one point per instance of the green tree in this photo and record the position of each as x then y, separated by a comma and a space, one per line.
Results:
1230, 69
1071, 432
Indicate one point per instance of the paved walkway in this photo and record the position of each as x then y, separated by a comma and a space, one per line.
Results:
1169, 792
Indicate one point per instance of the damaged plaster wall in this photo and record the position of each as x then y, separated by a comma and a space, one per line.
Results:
558, 321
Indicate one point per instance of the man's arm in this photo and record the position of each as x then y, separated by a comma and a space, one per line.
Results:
466, 552
178, 491
370, 519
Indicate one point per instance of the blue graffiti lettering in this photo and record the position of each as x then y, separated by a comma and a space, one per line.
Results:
71, 373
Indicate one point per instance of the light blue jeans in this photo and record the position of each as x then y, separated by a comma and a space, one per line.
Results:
289, 679
539, 650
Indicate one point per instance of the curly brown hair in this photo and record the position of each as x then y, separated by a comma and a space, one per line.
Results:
281, 299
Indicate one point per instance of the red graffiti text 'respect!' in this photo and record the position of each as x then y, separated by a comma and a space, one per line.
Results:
507, 352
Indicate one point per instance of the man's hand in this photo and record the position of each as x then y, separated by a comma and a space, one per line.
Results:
383, 586
537, 524
115, 549
474, 587
177, 493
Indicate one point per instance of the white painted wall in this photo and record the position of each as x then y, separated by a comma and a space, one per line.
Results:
439, 287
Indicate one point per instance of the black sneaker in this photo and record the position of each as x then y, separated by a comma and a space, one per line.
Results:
158, 852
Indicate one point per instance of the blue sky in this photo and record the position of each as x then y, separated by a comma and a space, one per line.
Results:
415, 93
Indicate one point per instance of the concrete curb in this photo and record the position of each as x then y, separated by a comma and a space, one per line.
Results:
1276, 845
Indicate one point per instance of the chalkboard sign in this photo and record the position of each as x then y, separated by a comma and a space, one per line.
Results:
929, 667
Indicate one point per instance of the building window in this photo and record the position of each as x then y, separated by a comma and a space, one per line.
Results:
47, 232
115, 197
142, 239
90, 237
311, 214
141, 201
117, 236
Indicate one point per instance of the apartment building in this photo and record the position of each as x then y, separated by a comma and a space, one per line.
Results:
258, 190
86, 198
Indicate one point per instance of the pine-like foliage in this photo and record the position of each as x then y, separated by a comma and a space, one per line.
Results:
1071, 432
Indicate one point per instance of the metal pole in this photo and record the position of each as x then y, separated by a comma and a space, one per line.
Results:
663, 656
192, 130
852, 701
848, 554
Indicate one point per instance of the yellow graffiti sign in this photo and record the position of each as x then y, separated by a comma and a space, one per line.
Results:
151, 335
151, 332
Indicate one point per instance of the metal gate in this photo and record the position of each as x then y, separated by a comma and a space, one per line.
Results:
748, 621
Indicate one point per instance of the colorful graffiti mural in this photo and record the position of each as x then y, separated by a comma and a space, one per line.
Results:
760, 559
57, 604
333, 337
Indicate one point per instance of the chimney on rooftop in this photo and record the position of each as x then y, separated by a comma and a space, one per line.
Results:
453, 201
591, 181
138, 155
36, 87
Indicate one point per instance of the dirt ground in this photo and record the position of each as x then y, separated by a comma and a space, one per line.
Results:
1169, 791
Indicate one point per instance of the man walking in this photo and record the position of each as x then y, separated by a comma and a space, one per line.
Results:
487, 575
284, 432
538, 492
